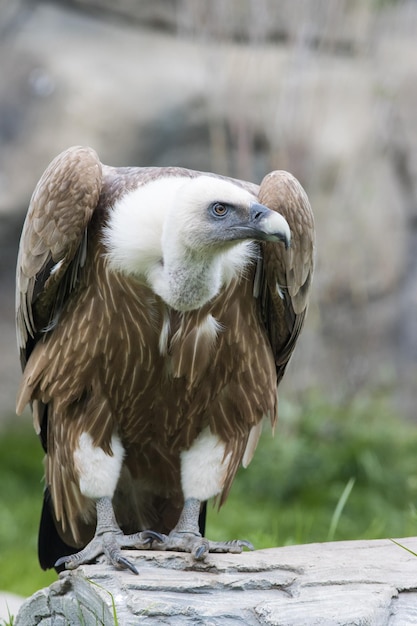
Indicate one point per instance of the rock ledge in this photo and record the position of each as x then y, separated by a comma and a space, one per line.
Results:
362, 583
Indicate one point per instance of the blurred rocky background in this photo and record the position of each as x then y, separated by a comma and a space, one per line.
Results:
326, 90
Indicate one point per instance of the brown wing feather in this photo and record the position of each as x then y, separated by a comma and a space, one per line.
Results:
281, 285
51, 246
285, 275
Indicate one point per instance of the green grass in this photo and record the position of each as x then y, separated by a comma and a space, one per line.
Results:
9, 621
21, 472
331, 472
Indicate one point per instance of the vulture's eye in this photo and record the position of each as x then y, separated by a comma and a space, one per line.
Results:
219, 210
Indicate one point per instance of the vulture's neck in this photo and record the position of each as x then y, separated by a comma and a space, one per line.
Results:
184, 278
187, 281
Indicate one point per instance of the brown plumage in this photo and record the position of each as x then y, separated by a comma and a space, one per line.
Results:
103, 354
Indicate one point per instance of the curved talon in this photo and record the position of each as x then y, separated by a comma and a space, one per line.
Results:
201, 551
126, 564
63, 560
86, 555
149, 536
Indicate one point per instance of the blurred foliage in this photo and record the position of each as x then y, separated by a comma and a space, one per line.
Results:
289, 494
21, 489
296, 480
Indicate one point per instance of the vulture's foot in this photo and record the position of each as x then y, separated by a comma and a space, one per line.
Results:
109, 539
110, 544
186, 537
199, 546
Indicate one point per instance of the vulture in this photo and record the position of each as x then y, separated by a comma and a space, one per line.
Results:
157, 309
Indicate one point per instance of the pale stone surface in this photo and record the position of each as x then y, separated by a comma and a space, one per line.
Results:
361, 583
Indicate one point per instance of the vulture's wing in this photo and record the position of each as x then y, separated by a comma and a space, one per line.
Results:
284, 276
53, 242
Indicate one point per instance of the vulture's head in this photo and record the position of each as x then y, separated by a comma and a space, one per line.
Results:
188, 237
210, 213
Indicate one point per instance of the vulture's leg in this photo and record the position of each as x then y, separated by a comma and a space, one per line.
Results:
186, 536
98, 475
108, 540
203, 472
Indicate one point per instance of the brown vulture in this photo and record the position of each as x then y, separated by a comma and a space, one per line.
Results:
157, 309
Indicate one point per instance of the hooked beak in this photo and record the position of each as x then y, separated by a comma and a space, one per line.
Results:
266, 225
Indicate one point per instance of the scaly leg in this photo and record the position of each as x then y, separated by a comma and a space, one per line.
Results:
203, 470
186, 537
98, 473
108, 540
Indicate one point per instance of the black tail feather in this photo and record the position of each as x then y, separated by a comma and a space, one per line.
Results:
202, 519
50, 544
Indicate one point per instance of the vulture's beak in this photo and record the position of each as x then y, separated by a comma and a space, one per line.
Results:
267, 225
